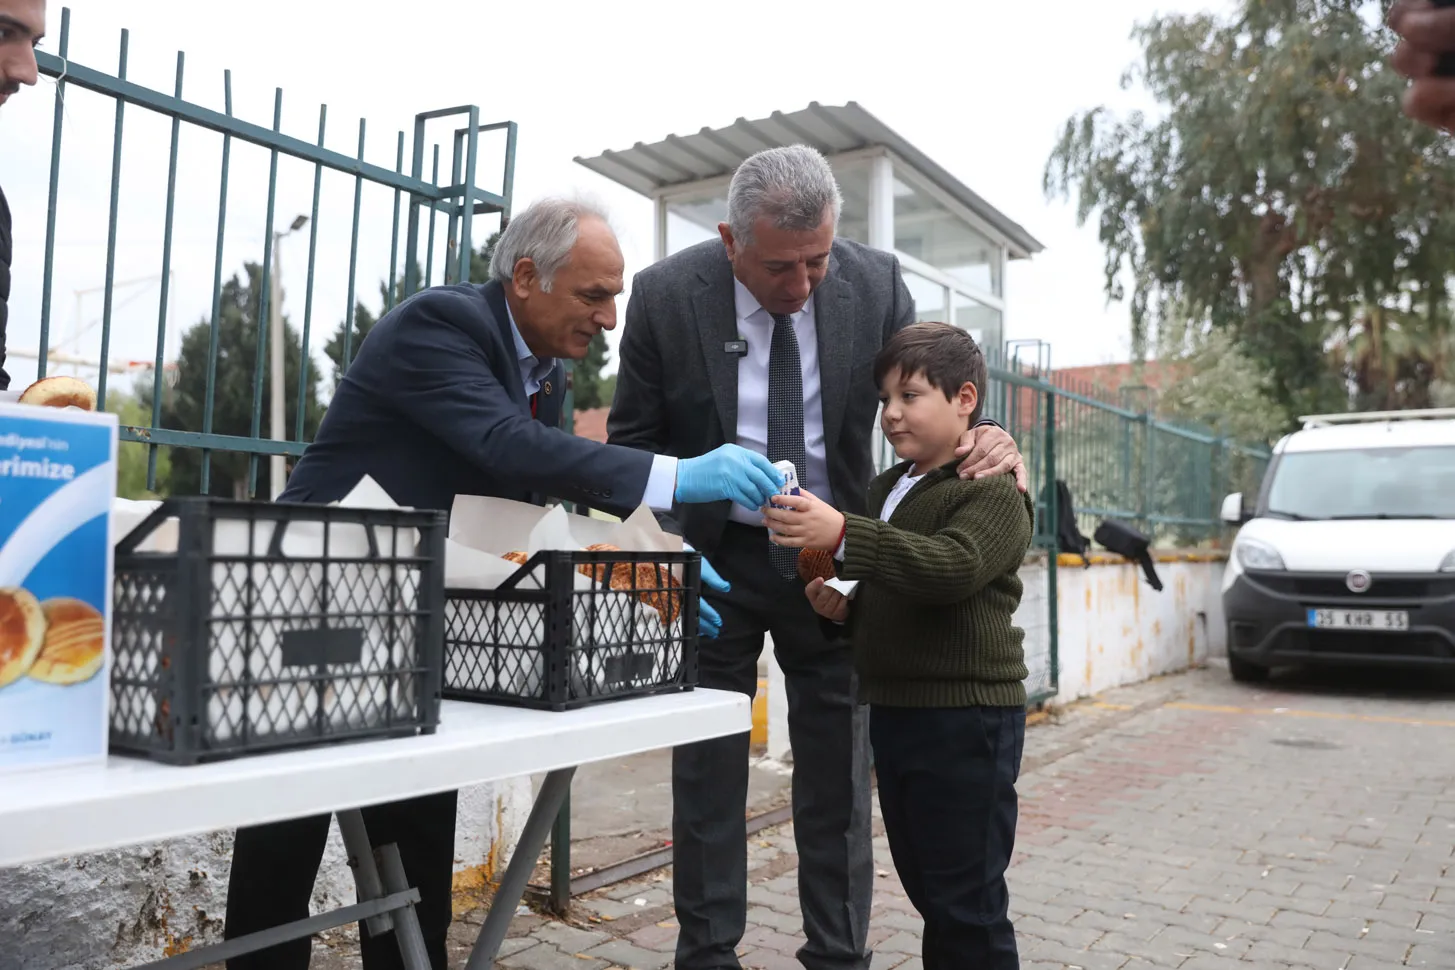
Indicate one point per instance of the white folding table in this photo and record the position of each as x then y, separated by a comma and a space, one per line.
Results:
58, 812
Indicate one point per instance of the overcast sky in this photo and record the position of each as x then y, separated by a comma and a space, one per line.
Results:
981, 87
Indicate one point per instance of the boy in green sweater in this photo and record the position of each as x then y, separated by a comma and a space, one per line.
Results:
938, 658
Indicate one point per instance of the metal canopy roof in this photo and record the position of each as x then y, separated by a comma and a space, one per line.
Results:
682, 160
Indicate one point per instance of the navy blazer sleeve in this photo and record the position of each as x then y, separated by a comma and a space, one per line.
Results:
443, 381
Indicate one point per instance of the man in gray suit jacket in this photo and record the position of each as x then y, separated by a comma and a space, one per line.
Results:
767, 340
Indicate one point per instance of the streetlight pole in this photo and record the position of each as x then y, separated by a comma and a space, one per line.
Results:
277, 464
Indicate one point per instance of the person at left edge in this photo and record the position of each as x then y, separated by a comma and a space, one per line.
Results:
22, 24
458, 390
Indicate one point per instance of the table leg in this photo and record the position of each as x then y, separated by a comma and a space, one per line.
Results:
406, 920
527, 851
367, 884
367, 863
385, 904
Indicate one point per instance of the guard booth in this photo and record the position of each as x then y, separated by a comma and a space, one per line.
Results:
952, 244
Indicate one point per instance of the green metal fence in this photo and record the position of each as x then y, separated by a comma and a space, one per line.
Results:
419, 202
1118, 458
1121, 461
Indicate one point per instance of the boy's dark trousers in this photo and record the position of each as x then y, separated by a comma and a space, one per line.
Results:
947, 789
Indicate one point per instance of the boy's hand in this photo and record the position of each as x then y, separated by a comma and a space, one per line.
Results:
827, 603
804, 522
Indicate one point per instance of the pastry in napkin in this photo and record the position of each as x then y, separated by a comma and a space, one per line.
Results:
815, 564
657, 587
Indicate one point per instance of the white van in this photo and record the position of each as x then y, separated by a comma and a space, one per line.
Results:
1347, 555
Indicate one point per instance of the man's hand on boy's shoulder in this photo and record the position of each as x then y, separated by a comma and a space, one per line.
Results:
804, 521
989, 450
827, 602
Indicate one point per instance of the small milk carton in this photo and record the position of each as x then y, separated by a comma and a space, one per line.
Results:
790, 480
57, 485
790, 477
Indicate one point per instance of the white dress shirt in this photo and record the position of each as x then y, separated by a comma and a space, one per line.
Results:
755, 325
661, 481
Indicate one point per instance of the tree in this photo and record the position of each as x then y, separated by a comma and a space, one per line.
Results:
364, 318
237, 344
1280, 199
1225, 391
364, 321
591, 390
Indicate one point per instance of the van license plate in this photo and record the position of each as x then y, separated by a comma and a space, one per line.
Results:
1375, 620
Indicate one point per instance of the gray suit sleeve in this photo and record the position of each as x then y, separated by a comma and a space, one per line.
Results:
901, 307
638, 417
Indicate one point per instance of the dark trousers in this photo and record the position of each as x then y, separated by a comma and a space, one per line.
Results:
274, 866
831, 807
947, 789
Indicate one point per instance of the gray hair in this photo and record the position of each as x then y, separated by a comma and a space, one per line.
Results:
545, 233
793, 186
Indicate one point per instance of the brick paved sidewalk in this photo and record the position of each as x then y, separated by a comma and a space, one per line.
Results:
1186, 823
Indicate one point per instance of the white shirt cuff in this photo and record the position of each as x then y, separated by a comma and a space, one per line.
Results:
839, 552
661, 484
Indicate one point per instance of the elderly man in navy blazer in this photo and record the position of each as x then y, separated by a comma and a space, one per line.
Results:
458, 390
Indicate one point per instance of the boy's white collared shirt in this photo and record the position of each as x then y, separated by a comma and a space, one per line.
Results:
896, 495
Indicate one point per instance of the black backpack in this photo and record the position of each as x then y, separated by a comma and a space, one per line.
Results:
1068, 536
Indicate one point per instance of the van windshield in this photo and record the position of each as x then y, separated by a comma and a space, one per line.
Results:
1365, 483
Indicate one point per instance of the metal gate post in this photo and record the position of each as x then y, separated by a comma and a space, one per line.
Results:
560, 898
1053, 551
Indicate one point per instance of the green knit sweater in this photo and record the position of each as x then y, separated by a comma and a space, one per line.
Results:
931, 621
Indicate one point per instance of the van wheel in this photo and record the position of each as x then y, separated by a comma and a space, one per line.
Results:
1246, 673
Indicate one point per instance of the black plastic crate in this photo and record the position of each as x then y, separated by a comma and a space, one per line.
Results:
232, 646
540, 640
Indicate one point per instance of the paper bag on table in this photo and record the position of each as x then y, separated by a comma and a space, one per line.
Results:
495, 646
499, 526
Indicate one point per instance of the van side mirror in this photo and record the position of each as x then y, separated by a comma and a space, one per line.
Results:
1232, 512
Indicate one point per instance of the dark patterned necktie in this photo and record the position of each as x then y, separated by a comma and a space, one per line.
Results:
785, 419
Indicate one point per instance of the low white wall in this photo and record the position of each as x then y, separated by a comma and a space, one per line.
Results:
1113, 628
141, 903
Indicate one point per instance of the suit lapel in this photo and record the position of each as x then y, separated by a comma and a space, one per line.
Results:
494, 295
717, 324
833, 322
552, 397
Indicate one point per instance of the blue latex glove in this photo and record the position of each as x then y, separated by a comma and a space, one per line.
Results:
709, 621
729, 472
